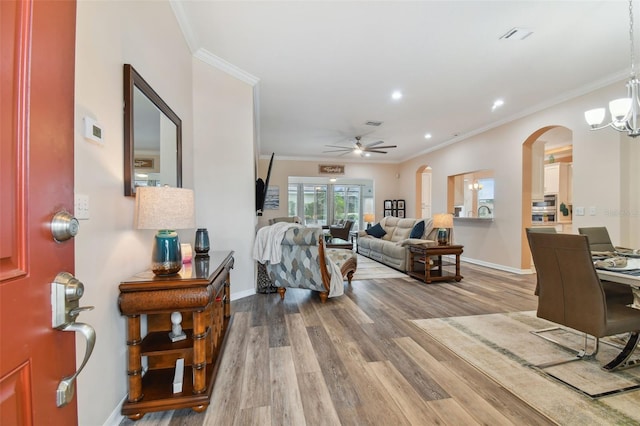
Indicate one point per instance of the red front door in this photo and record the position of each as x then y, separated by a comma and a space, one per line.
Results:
37, 38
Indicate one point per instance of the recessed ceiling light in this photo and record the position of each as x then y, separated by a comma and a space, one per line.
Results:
427, 136
396, 95
497, 104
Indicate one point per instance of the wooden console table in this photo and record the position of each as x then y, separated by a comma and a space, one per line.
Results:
430, 264
201, 293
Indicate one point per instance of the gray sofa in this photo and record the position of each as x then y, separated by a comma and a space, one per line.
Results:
392, 248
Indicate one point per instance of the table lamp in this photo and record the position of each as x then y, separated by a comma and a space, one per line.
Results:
165, 209
368, 218
443, 222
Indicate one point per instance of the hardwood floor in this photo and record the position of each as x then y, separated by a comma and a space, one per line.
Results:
358, 360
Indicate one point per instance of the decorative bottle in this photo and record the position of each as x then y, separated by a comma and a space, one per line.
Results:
202, 242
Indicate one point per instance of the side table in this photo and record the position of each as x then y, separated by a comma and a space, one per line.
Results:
201, 293
426, 263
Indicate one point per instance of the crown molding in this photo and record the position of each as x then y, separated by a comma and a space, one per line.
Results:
203, 54
209, 58
183, 23
566, 96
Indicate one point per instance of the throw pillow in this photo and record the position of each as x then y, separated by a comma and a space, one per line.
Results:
376, 231
418, 230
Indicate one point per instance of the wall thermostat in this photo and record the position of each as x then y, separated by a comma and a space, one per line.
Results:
93, 130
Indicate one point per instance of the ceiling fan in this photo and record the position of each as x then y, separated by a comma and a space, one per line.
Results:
362, 150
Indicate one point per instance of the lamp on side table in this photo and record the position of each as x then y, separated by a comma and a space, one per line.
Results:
165, 209
368, 219
444, 223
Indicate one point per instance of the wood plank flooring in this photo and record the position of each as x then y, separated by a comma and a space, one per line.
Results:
358, 360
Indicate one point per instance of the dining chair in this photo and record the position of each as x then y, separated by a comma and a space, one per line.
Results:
600, 241
541, 229
572, 296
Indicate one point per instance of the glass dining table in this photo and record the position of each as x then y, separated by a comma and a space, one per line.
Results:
627, 275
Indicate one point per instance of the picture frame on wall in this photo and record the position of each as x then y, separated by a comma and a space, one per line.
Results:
387, 205
388, 212
400, 212
394, 204
400, 204
272, 199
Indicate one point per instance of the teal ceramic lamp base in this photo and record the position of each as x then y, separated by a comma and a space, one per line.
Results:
166, 258
443, 236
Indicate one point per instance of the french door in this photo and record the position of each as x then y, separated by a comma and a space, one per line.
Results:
347, 201
324, 204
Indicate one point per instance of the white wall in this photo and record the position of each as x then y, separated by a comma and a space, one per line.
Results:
224, 168
108, 249
597, 178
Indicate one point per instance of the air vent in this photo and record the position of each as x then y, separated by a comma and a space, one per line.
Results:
516, 34
373, 123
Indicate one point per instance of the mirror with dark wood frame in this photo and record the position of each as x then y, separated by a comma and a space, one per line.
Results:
152, 137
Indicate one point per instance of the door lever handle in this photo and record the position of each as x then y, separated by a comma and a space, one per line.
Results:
66, 387
76, 311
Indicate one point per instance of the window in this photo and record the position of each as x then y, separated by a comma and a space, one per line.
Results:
325, 203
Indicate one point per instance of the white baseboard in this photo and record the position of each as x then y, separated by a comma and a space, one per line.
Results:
115, 418
242, 294
496, 266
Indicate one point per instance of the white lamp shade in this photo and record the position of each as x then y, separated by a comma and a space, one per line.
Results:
619, 108
443, 220
594, 116
164, 207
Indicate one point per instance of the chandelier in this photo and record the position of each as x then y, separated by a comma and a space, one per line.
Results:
624, 111
475, 186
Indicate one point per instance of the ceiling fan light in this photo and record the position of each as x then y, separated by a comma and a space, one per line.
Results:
594, 116
619, 108
357, 151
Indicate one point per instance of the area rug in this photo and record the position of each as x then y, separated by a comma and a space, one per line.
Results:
502, 347
370, 269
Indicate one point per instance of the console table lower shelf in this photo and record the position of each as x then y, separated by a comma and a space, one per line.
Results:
426, 263
203, 299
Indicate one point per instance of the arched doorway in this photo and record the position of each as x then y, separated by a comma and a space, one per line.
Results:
547, 145
423, 192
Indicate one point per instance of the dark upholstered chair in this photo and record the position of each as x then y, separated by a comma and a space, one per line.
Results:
599, 239
342, 230
571, 295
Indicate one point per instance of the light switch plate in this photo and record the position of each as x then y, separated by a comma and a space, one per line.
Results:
579, 211
81, 207
592, 211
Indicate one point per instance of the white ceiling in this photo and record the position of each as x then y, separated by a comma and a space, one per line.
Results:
327, 67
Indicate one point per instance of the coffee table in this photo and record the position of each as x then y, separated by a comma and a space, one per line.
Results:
339, 243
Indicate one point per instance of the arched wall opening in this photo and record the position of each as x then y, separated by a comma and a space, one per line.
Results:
423, 192
531, 160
